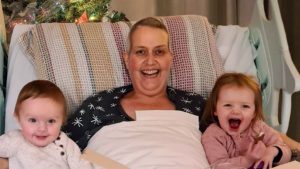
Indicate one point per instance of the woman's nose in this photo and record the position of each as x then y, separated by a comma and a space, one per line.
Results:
150, 59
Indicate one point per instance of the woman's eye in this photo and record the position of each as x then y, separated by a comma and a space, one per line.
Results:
159, 52
51, 121
32, 120
140, 52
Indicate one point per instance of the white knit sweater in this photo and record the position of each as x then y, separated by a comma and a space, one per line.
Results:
63, 153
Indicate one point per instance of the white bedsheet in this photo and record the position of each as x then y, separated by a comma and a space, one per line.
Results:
232, 42
162, 139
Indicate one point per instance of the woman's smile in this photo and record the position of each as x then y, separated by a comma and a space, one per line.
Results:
150, 73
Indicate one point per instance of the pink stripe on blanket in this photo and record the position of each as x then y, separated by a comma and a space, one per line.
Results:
179, 46
121, 47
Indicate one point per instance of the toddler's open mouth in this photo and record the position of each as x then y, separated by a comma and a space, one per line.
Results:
234, 123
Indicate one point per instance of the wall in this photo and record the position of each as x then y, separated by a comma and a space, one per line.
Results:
290, 15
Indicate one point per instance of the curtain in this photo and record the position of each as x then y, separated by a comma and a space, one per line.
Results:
218, 12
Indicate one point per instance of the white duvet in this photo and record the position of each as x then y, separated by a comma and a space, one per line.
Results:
161, 139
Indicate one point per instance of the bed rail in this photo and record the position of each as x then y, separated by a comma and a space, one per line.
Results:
276, 71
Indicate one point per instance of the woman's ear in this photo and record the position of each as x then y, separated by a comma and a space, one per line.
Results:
125, 57
172, 60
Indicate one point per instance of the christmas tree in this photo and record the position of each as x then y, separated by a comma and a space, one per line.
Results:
41, 11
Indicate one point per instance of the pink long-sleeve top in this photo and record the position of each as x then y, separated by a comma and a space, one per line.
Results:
223, 148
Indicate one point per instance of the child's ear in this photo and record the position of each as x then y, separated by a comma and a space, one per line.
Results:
16, 116
254, 114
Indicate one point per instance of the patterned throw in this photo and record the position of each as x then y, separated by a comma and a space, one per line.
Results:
87, 58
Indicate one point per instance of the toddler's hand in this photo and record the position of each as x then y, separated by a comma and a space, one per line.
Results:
267, 158
256, 151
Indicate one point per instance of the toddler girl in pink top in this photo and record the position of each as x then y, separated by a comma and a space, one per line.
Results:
236, 136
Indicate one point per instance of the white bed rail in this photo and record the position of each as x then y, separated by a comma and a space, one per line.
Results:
276, 70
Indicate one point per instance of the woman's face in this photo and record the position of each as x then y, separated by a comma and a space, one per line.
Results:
149, 60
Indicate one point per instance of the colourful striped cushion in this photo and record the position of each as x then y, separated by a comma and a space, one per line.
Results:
86, 58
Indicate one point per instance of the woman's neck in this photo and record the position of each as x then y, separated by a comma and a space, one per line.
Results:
134, 101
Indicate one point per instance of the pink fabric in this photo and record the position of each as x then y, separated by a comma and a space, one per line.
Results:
223, 148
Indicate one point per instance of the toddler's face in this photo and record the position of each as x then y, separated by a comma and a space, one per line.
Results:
235, 108
41, 120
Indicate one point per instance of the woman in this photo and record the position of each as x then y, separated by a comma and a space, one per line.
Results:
148, 61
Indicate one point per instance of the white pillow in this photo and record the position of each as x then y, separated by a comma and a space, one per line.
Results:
235, 49
157, 139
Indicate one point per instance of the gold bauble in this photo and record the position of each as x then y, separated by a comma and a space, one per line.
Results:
94, 18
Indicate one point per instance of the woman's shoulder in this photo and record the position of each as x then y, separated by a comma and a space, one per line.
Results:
109, 94
190, 102
179, 93
185, 97
115, 91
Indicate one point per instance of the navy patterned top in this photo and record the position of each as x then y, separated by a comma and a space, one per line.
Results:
104, 108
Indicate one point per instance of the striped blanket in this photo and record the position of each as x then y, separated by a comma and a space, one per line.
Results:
87, 58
